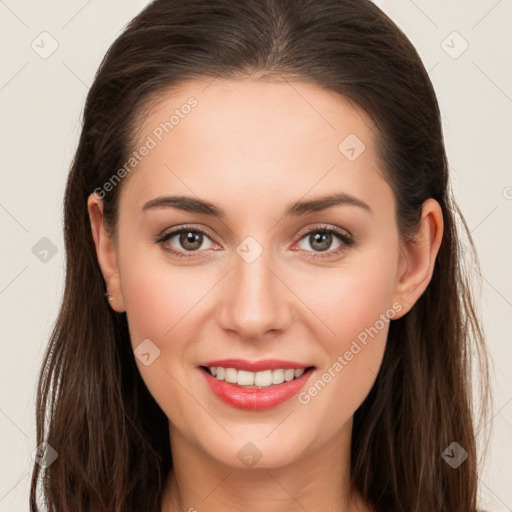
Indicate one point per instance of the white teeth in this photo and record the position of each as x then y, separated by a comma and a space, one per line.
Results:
277, 376
230, 375
262, 379
245, 378
289, 375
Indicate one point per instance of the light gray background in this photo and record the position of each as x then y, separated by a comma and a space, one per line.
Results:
41, 102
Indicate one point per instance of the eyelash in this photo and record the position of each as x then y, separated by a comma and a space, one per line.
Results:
346, 240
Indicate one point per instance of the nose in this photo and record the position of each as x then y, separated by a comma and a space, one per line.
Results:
254, 299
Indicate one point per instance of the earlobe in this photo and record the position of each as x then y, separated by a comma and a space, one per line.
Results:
418, 256
106, 253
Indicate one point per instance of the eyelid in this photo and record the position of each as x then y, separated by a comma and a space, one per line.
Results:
322, 227
180, 227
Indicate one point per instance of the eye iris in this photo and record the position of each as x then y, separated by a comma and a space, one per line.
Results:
323, 238
191, 237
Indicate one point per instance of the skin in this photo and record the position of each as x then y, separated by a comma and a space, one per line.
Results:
251, 148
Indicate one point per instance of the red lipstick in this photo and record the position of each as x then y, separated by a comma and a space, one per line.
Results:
255, 399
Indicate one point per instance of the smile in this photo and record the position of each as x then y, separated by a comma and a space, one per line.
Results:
255, 380
255, 390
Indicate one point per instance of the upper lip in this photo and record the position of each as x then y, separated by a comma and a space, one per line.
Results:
255, 366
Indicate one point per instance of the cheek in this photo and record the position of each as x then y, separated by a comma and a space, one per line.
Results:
161, 305
352, 298
159, 296
356, 306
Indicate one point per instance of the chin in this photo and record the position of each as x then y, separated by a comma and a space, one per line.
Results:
256, 449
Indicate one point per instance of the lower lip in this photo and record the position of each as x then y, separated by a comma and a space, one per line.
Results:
255, 399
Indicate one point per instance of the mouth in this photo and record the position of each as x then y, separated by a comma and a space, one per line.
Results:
256, 380
256, 390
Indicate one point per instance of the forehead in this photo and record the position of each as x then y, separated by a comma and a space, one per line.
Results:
244, 140
250, 113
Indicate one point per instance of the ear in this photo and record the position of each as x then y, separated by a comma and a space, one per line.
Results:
106, 252
418, 257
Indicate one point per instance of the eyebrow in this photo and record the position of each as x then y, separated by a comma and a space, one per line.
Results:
295, 209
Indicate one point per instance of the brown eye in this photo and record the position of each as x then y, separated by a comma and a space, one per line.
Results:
186, 242
191, 240
320, 241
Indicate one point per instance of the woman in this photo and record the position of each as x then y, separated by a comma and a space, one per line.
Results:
265, 308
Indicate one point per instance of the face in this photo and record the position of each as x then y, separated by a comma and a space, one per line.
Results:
275, 276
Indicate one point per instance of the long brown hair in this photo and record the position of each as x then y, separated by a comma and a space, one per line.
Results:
94, 409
